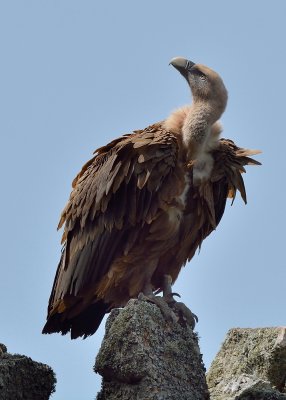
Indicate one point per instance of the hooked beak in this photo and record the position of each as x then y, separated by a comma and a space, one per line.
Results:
182, 65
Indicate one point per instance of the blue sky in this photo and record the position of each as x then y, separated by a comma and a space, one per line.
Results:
76, 74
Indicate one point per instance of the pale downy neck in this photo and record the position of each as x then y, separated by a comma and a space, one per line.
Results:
197, 126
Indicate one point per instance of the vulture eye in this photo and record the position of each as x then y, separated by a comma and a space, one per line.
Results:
202, 75
199, 73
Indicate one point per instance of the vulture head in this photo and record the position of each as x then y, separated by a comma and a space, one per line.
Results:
206, 85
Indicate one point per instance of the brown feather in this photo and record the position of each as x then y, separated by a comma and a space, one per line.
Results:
134, 213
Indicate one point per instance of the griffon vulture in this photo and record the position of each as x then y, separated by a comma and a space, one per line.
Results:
141, 207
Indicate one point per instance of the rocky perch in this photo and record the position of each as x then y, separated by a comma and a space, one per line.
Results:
22, 378
145, 357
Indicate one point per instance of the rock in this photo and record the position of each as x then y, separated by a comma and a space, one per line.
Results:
22, 378
3, 349
145, 357
251, 364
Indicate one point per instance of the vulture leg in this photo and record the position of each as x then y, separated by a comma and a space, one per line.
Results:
148, 295
171, 309
180, 308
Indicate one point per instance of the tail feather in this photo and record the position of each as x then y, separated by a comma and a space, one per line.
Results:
85, 324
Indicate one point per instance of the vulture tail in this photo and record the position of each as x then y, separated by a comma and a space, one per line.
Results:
84, 324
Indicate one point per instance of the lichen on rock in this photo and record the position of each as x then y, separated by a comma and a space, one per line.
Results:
143, 356
250, 364
22, 378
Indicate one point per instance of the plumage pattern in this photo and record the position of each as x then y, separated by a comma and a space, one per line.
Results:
135, 214
127, 206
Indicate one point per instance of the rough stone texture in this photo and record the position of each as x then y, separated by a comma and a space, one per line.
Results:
251, 364
22, 378
144, 357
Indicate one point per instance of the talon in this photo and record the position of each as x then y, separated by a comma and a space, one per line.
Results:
167, 312
171, 309
179, 307
186, 313
169, 298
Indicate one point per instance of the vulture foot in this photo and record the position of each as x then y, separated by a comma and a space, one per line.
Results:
171, 309
185, 313
167, 312
179, 308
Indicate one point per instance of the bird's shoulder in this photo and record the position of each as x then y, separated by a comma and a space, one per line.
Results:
144, 143
142, 159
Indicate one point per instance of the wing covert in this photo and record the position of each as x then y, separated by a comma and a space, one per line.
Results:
118, 188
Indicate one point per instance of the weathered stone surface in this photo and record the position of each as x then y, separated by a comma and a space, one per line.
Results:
3, 349
22, 378
251, 364
144, 357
